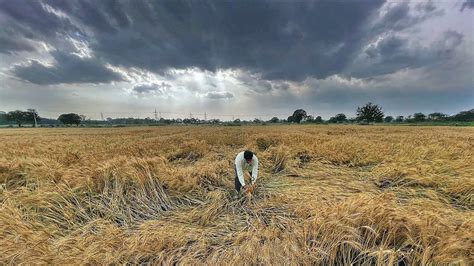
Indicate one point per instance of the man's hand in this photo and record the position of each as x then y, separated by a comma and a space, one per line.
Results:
248, 189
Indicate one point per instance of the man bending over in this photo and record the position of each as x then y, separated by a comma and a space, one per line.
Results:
245, 161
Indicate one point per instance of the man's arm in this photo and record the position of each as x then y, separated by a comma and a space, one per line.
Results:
254, 168
238, 168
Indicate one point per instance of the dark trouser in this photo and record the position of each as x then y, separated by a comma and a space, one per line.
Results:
238, 186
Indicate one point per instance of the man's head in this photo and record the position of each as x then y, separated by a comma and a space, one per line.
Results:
248, 155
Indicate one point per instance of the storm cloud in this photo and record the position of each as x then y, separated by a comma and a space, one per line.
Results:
9, 45
238, 51
392, 53
217, 95
153, 88
467, 4
278, 39
32, 20
67, 68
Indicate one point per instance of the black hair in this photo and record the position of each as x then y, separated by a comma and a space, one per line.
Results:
248, 155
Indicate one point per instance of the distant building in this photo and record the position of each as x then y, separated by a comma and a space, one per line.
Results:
2, 113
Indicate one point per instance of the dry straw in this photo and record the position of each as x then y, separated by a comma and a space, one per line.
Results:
325, 195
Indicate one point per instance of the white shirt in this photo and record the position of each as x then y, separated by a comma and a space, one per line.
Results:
241, 165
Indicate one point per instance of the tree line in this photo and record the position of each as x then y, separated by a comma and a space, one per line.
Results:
366, 114
372, 113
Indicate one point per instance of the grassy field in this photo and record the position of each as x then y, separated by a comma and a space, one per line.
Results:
326, 195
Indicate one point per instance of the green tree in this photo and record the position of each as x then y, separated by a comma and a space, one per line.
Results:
399, 119
298, 115
3, 117
339, 118
70, 119
22, 117
274, 120
467, 116
370, 113
318, 119
419, 117
437, 116
388, 119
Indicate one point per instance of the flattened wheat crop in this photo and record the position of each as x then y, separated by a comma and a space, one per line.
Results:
361, 195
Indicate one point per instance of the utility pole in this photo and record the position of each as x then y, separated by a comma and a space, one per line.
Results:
102, 116
190, 115
205, 116
156, 114
34, 116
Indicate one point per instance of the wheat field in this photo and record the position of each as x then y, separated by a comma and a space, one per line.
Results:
363, 195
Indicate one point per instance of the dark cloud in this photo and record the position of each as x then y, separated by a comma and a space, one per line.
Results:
448, 42
393, 53
280, 40
13, 45
387, 47
261, 86
219, 95
66, 69
400, 16
255, 83
33, 20
396, 17
153, 88
467, 4
426, 7
282, 86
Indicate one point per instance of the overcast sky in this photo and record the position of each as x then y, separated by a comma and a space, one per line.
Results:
241, 58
